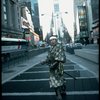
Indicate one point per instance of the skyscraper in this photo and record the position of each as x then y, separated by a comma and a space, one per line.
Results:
35, 18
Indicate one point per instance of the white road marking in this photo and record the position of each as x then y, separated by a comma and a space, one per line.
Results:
50, 93
46, 79
48, 71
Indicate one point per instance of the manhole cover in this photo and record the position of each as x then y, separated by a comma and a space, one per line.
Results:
21, 65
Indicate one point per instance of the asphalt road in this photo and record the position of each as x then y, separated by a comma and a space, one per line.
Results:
33, 84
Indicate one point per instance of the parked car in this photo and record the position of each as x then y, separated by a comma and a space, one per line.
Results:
78, 45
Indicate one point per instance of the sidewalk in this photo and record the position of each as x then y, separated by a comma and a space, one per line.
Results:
13, 71
84, 63
89, 54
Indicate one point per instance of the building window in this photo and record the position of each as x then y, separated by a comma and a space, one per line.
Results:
5, 16
4, 2
4, 8
12, 16
4, 12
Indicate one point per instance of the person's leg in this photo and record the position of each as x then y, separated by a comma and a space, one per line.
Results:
58, 93
63, 89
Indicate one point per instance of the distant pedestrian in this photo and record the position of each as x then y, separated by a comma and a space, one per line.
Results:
55, 60
85, 42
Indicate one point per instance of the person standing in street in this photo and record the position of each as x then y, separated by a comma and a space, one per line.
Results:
55, 60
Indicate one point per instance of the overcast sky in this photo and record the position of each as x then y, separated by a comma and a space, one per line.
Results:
46, 6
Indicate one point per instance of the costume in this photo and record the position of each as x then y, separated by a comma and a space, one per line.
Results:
55, 60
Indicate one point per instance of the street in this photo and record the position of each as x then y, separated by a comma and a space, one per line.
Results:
33, 84
36, 31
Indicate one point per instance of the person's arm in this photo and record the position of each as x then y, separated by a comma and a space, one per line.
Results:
54, 65
46, 61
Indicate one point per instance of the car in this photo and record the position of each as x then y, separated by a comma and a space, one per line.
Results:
78, 45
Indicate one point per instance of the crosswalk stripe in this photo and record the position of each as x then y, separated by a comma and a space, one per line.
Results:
51, 93
46, 79
48, 71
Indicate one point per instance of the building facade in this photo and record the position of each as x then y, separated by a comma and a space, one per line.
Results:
81, 22
91, 10
11, 19
35, 18
28, 24
28, 27
57, 26
95, 22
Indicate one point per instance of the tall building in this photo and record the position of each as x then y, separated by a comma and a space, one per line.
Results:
26, 3
92, 14
29, 31
81, 21
56, 16
58, 27
95, 22
35, 18
89, 14
11, 19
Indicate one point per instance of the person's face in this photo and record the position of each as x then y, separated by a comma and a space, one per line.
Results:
53, 42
